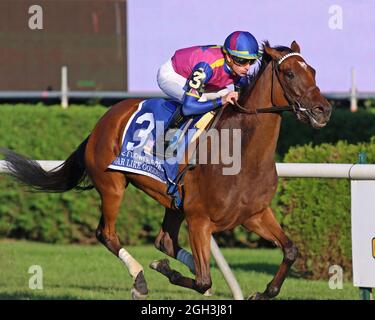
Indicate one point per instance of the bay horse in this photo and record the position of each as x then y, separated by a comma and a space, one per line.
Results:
213, 202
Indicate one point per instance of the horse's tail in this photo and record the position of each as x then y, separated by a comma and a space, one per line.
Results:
70, 174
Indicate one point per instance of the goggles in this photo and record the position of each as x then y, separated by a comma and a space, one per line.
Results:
242, 61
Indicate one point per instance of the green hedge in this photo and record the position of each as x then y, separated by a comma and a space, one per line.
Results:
315, 212
344, 125
52, 133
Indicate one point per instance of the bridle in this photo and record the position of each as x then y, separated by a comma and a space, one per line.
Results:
295, 104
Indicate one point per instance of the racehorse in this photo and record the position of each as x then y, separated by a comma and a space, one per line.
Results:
213, 202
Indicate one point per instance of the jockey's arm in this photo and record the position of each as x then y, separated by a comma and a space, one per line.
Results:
201, 74
191, 105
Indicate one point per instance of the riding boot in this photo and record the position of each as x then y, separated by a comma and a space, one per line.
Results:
172, 130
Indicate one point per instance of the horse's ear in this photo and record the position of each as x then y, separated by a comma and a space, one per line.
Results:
273, 53
295, 47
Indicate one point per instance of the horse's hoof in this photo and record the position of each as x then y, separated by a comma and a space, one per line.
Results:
257, 296
136, 295
160, 265
208, 293
140, 287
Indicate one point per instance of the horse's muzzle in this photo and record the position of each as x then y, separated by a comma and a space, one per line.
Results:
318, 116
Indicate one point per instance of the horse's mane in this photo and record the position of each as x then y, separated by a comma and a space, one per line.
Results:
255, 75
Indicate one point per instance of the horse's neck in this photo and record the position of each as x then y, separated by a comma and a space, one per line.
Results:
259, 132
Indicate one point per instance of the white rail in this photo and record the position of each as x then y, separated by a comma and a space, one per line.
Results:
326, 170
28, 94
286, 170
46, 164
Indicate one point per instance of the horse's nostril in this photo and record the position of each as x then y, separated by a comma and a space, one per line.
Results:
318, 109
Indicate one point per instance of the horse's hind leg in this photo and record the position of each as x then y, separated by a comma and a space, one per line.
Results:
200, 244
266, 226
111, 186
167, 242
167, 239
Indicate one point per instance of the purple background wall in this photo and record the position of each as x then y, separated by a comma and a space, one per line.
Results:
157, 28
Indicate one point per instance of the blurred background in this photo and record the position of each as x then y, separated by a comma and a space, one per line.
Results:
117, 46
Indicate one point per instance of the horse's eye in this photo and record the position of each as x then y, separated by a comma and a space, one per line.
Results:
289, 74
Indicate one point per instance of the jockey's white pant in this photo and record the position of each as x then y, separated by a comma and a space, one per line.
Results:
172, 84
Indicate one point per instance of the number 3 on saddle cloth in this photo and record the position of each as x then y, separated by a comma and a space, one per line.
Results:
154, 141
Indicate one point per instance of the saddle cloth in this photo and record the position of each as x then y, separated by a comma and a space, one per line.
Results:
139, 138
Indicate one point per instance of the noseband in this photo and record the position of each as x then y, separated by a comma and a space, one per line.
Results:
294, 102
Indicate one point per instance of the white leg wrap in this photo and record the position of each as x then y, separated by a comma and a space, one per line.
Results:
133, 265
187, 259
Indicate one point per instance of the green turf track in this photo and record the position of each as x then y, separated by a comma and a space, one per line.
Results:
92, 272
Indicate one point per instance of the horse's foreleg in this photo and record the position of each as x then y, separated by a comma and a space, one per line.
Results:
200, 240
111, 186
266, 226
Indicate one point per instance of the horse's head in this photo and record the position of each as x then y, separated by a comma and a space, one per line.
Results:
297, 85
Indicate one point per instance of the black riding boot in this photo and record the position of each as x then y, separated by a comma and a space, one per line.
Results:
171, 130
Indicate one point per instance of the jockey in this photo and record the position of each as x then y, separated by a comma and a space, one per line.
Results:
198, 76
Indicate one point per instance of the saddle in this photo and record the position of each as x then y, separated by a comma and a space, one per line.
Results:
166, 145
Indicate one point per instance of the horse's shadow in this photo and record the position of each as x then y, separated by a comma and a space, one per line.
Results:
30, 296
40, 295
267, 268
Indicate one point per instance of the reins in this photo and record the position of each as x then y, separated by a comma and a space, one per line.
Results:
273, 109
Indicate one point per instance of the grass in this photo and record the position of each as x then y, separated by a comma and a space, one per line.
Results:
92, 272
